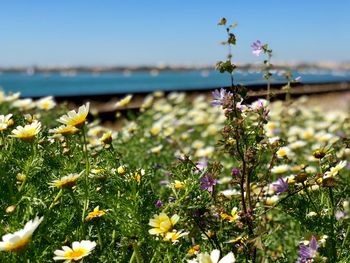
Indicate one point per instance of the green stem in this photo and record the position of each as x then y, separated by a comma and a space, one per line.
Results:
86, 184
135, 255
56, 198
332, 222
74, 200
268, 91
310, 199
346, 236
154, 257
99, 236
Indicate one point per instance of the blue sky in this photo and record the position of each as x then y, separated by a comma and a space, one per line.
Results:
119, 32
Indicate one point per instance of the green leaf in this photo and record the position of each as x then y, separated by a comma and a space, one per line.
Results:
222, 21
232, 39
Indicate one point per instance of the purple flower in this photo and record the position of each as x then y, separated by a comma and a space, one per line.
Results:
164, 182
219, 96
339, 215
281, 186
266, 113
310, 252
202, 164
258, 104
235, 172
158, 203
257, 47
208, 182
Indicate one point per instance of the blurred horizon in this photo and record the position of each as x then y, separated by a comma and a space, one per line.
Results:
110, 33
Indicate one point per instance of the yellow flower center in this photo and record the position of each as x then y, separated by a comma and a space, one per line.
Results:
17, 246
69, 183
74, 254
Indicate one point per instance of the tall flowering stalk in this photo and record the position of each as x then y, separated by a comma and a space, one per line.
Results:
259, 48
245, 142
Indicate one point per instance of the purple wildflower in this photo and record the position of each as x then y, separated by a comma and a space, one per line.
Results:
235, 172
310, 252
266, 113
339, 215
258, 104
281, 186
164, 182
158, 203
257, 47
276, 131
208, 182
202, 164
219, 96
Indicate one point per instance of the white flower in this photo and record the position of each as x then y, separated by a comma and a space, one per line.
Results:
78, 251
28, 131
12, 97
279, 169
297, 144
73, 118
283, 152
123, 102
24, 104
46, 103
68, 181
214, 257
272, 200
334, 170
19, 239
5, 121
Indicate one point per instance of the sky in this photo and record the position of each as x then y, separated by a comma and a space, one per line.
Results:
87, 32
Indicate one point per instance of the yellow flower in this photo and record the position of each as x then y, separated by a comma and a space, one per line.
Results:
155, 130
28, 131
231, 218
74, 118
46, 103
97, 213
138, 175
64, 130
178, 184
19, 240
123, 102
174, 236
78, 251
162, 224
193, 250
66, 181
121, 169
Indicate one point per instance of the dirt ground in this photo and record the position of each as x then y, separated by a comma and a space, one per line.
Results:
331, 101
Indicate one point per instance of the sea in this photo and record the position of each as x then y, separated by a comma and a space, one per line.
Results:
32, 84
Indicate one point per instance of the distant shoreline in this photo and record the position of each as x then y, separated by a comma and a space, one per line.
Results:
172, 68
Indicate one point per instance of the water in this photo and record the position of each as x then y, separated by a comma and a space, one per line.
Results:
114, 83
